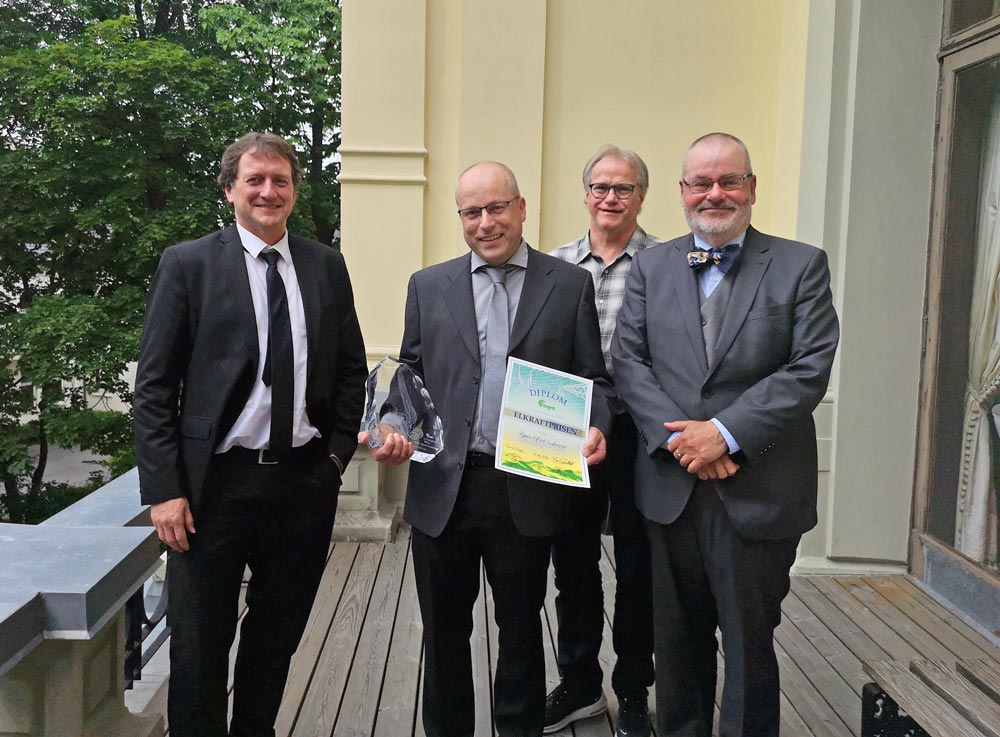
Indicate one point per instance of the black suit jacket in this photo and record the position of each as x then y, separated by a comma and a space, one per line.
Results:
199, 354
772, 366
555, 326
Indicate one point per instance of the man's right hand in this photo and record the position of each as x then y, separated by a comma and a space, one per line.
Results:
395, 451
173, 521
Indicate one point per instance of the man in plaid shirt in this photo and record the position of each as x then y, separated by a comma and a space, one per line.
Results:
615, 181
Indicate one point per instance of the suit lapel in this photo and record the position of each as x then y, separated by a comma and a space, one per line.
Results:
538, 284
753, 264
686, 289
237, 286
457, 293
306, 273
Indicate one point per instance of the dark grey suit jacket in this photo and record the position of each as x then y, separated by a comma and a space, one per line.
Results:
555, 325
199, 353
772, 366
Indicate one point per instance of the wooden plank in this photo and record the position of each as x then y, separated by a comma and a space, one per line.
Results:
809, 704
885, 634
361, 697
972, 703
300, 672
912, 631
849, 632
940, 629
984, 673
928, 709
482, 672
397, 703
321, 704
826, 641
827, 682
949, 616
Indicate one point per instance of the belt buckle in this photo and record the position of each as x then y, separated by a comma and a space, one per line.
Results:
261, 461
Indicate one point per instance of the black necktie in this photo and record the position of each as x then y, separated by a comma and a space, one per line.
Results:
721, 257
279, 368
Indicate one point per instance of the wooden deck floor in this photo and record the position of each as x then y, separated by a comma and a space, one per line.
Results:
357, 671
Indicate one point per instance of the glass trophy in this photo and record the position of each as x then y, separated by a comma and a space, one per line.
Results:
398, 400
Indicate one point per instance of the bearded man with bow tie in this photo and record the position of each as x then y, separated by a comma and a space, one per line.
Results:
724, 347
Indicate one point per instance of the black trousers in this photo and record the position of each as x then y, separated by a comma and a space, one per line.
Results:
576, 555
707, 576
276, 519
447, 572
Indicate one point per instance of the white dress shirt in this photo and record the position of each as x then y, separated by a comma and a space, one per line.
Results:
252, 428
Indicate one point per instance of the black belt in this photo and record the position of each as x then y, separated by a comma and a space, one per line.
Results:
475, 459
312, 450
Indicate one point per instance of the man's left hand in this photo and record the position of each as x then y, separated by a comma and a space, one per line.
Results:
595, 449
698, 444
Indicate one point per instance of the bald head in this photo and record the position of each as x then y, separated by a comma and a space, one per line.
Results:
493, 166
492, 210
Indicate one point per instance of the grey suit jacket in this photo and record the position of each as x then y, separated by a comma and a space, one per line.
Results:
199, 353
555, 325
772, 366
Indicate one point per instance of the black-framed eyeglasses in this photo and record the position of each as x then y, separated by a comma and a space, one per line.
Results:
495, 209
730, 182
600, 190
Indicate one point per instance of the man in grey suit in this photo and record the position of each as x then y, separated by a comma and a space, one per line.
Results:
724, 347
464, 512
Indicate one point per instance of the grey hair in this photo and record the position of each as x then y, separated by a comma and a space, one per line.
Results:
629, 157
713, 136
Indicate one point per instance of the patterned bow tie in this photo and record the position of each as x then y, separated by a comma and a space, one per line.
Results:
721, 257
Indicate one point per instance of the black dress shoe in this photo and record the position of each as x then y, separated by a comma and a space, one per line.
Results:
566, 704
633, 716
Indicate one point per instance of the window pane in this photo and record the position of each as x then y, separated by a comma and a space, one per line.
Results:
963, 501
965, 13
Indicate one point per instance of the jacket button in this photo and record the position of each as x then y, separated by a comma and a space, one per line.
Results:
704, 322
468, 421
706, 394
475, 379
460, 465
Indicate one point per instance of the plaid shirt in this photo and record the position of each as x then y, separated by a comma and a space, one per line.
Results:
609, 280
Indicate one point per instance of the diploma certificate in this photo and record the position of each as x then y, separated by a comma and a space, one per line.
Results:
544, 419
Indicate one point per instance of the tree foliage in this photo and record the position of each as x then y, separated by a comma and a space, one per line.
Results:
113, 116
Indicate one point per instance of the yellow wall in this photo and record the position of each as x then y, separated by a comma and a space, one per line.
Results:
431, 86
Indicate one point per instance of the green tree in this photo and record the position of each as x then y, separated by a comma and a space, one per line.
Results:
112, 119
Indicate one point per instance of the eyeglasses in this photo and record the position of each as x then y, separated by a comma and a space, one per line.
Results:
730, 182
600, 190
495, 209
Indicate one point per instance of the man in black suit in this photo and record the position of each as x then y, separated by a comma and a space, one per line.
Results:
249, 393
463, 511
724, 347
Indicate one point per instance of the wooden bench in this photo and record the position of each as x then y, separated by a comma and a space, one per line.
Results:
931, 699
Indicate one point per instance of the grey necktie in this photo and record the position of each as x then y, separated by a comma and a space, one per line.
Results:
495, 363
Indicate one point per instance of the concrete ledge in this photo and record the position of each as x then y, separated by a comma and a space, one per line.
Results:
83, 575
116, 504
21, 626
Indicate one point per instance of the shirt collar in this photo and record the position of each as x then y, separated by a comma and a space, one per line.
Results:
520, 258
699, 243
254, 245
636, 242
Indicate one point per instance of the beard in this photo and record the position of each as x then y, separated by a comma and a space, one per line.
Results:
734, 224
